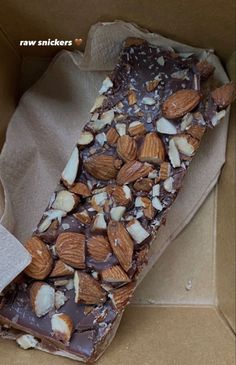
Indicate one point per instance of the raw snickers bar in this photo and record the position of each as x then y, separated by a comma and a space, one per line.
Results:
115, 191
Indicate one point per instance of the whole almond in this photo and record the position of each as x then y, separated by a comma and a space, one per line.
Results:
61, 269
99, 248
112, 136
42, 261
224, 95
205, 69
120, 297
131, 171
101, 166
70, 247
114, 274
127, 148
180, 103
87, 289
121, 243
152, 149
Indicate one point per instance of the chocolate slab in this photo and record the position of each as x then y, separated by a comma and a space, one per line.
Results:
120, 183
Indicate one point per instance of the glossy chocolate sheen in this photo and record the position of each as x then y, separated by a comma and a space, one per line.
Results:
138, 64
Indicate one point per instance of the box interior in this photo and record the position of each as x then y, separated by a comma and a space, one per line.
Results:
187, 301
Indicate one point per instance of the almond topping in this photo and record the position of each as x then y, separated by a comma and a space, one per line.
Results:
99, 224
157, 204
112, 136
196, 131
114, 274
51, 216
42, 297
216, 118
65, 201
83, 217
165, 170
137, 232
101, 167
120, 297
106, 85
70, 247
87, 289
98, 102
132, 98
224, 95
122, 195
101, 138
62, 327
121, 243
117, 213
70, 171
26, 341
205, 69
148, 101
180, 103
81, 189
165, 126
152, 149
186, 121
99, 200
61, 269
168, 184
126, 148
121, 128
173, 154
142, 201
149, 212
60, 299
144, 184
99, 248
42, 261
85, 138
136, 128
156, 190
152, 85
131, 171
186, 144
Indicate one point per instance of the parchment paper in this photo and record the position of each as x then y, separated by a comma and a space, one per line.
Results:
46, 126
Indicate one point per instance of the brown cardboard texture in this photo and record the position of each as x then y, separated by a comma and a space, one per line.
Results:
188, 311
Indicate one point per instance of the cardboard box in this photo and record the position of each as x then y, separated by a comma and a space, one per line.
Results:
184, 310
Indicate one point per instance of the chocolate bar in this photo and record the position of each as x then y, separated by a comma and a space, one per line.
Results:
115, 192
